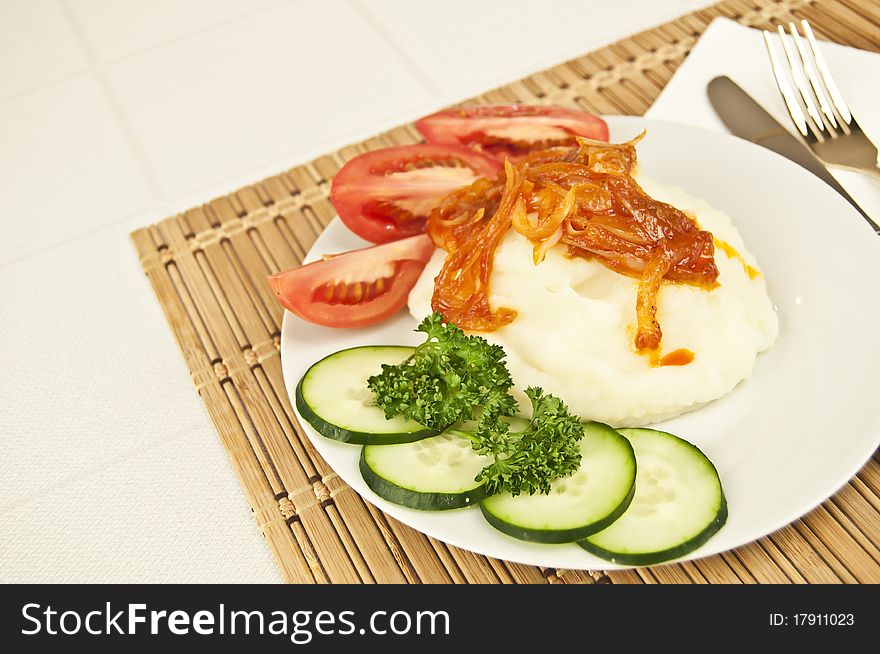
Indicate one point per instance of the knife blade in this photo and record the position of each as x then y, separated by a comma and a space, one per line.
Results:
747, 119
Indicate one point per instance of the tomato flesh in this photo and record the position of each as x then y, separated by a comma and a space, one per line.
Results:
511, 130
349, 293
356, 288
387, 194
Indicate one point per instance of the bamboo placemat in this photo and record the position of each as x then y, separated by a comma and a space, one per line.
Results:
208, 268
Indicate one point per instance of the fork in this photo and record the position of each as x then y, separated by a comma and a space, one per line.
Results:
828, 126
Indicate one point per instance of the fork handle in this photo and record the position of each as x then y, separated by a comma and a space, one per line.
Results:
872, 171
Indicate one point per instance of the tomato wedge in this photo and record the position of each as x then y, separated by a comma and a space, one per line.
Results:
356, 288
511, 130
387, 194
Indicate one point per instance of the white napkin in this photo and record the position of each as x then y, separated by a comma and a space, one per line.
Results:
727, 48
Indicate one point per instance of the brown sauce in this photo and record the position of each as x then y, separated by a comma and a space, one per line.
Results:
731, 252
585, 198
680, 357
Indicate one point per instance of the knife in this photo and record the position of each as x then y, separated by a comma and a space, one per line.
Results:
748, 120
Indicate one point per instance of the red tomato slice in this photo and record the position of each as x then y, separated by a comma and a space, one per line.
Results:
387, 194
511, 130
355, 288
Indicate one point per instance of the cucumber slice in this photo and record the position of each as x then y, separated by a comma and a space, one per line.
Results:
433, 474
578, 505
334, 399
679, 503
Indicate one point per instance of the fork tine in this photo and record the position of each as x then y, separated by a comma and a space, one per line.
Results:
794, 109
812, 75
797, 74
825, 72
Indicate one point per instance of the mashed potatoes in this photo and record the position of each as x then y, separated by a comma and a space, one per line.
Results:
576, 319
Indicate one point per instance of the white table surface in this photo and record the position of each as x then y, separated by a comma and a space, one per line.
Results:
117, 113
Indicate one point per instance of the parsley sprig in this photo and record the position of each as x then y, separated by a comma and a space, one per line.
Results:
454, 378
448, 379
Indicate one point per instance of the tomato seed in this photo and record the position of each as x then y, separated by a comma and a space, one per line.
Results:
451, 162
337, 292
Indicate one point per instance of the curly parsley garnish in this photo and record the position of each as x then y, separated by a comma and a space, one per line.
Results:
454, 378
448, 379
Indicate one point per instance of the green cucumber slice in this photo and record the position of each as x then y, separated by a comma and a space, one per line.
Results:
433, 474
581, 504
334, 399
678, 505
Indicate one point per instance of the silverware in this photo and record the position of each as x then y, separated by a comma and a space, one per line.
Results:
828, 126
747, 119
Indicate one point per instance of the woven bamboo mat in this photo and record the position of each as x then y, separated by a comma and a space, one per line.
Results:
208, 268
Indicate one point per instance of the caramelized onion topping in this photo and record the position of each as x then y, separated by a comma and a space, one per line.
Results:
585, 197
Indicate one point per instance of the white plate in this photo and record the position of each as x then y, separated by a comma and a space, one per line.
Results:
783, 441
